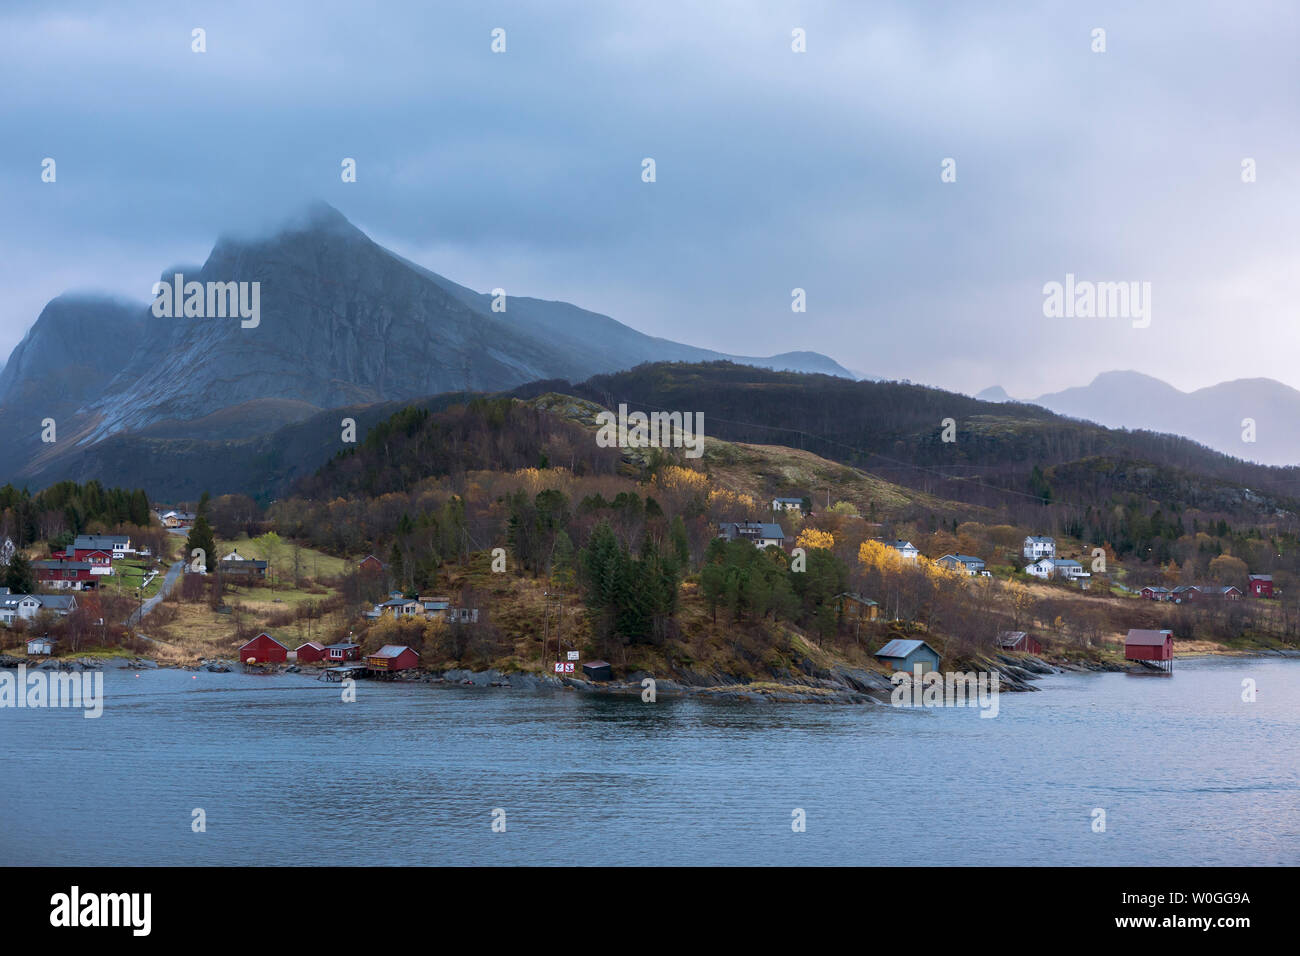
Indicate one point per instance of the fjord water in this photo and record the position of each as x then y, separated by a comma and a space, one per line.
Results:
1186, 771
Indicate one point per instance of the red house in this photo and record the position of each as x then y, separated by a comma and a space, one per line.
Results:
66, 575
347, 651
370, 564
1261, 585
1019, 641
393, 657
310, 653
264, 649
1145, 645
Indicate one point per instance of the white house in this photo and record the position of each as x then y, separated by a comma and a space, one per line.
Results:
1042, 568
762, 534
1039, 546
399, 606
906, 549
964, 562
787, 504
41, 646
1070, 570
26, 606
1046, 568
18, 607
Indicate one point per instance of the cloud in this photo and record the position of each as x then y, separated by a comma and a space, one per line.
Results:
775, 169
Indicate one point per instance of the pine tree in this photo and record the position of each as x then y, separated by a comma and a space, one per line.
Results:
19, 577
201, 538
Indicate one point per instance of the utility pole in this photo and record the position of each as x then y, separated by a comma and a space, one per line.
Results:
546, 626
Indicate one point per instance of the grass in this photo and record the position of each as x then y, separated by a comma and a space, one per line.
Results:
311, 563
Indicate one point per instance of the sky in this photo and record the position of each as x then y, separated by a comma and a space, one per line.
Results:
775, 169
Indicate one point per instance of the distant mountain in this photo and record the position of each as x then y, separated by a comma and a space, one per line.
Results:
344, 322
1212, 416
995, 394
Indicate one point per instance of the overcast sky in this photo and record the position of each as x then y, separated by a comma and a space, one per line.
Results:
775, 169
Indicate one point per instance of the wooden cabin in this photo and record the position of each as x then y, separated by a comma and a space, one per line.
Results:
907, 655
1155, 647
855, 607
264, 649
346, 651
1019, 641
310, 653
392, 658
598, 670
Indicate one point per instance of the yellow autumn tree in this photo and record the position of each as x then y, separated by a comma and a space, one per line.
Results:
676, 478
875, 554
814, 538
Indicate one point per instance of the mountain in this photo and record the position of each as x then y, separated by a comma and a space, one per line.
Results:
995, 394
68, 357
1213, 416
343, 322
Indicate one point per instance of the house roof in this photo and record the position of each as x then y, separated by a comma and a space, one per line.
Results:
390, 650
899, 544
236, 557
854, 596
1156, 587
764, 529
899, 647
61, 602
58, 565
1011, 638
265, 634
1067, 563
1261, 577
1041, 539
86, 542
964, 558
797, 501
1147, 638
312, 644
345, 646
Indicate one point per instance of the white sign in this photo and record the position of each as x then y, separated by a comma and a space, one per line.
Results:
573, 655
559, 667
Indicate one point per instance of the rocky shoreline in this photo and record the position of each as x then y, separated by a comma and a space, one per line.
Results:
841, 684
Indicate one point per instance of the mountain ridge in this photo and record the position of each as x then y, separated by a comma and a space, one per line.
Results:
344, 321
1215, 415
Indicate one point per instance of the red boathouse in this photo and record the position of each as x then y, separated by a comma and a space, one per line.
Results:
264, 649
1154, 646
310, 653
391, 658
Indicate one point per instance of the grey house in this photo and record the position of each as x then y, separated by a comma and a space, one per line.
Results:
904, 655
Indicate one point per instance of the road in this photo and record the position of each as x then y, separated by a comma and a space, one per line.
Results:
169, 582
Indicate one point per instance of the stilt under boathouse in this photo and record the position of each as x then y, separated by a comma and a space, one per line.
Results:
1152, 649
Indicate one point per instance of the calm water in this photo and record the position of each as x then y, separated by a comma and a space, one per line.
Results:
287, 773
